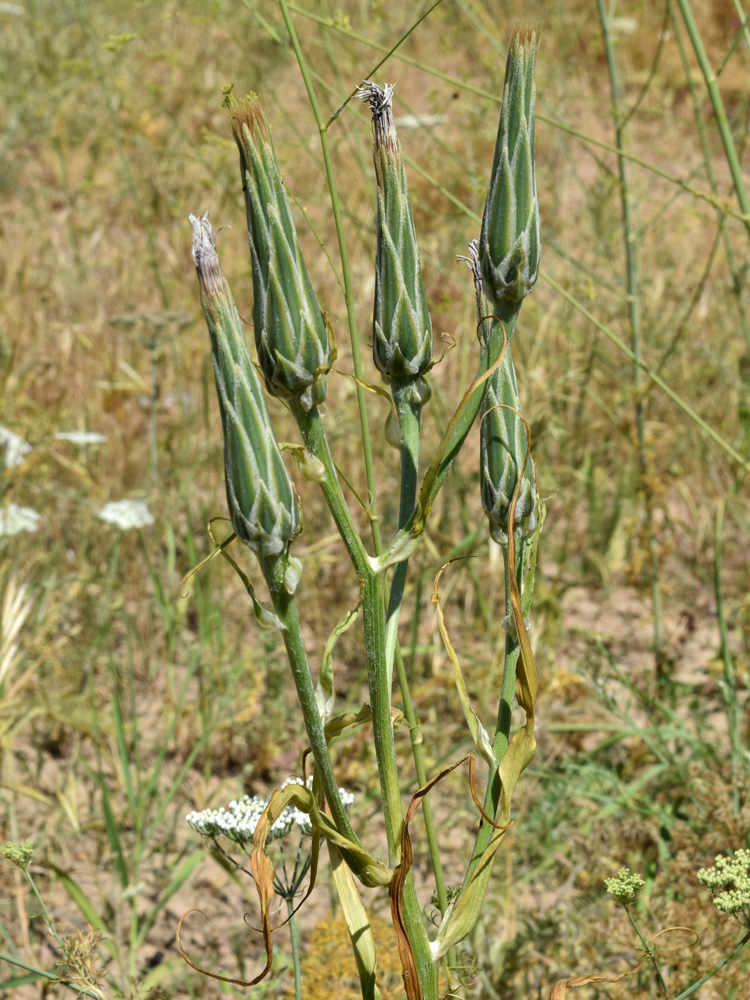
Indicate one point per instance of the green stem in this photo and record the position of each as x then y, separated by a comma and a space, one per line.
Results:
408, 420
346, 274
501, 739
632, 284
45, 912
730, 150
286, 610
649, 950
717, 968
294, 934
373, 607
313, 433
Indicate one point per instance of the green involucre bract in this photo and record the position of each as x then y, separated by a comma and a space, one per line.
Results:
260, 493
503, 447
402, 330
294, 349
509, 245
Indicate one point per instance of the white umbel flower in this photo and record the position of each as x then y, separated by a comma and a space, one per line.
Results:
126, 514
81, 438
240, 819
16, 449
15, 519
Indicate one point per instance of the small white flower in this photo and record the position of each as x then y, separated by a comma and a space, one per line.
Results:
15, 519
81, 438
15, 448
126, 514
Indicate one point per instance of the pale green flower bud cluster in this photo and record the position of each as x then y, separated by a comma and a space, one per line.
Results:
732, 875
402, 329
19, 854
260, 494
238, 822
510, 243
624, 887
294, 349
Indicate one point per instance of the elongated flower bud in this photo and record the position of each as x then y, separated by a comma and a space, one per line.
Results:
509, 246
503, 443
260, 494
402, 330
294, 349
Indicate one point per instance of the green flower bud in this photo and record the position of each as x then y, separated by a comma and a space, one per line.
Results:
294, 349
261, 498
509, 246
624, 887
402, 330
503, 444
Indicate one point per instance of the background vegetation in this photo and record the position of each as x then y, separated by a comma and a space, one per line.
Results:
127, 702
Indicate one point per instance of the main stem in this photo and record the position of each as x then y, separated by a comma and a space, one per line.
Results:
408, 420
286, 610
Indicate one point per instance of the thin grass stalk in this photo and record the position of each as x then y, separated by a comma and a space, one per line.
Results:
154, 253
633, 290
725, 132
655, 377
345, 271
296, 940
738, 281
729, 689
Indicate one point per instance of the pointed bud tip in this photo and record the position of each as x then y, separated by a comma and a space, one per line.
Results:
526, 35
249, 114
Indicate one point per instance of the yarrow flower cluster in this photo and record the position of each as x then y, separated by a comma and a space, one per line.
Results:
240, 819
624, 887
732, 874
16, 449
81, 438
15, 519
126, 514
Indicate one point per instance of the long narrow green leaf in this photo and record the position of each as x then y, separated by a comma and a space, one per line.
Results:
84, 904
122, 750
113, 834
179, 878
